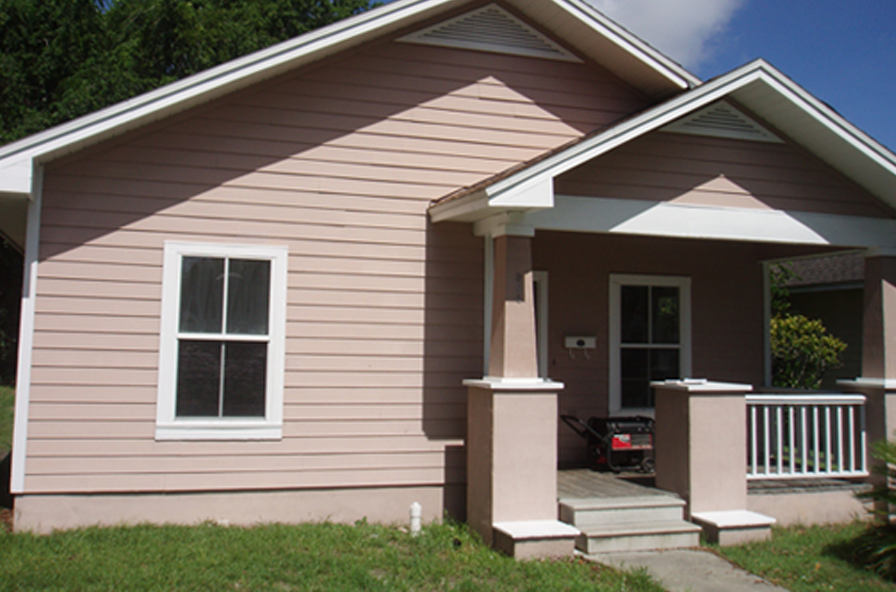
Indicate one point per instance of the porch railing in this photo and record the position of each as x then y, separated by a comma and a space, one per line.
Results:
794, 436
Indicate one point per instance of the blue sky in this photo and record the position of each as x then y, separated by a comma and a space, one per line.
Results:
842, 51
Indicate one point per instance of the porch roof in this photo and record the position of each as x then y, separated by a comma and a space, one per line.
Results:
522, 192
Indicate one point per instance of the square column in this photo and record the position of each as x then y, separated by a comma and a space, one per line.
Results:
878, 380
512, 420
700, 454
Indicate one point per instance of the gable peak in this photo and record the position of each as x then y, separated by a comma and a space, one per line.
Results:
492, 29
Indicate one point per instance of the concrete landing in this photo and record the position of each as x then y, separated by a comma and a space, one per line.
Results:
689, 571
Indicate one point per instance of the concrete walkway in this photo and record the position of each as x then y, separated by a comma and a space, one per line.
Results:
689, 571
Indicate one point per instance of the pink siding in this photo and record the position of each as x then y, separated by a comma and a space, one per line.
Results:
726, 310
720, 172
384, 315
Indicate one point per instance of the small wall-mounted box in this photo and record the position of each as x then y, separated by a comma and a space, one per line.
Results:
580, 342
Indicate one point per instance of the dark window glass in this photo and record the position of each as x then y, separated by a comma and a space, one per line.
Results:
201, 295
635, 314
244, 379
198, 378
664, 363
635, 377
248, 286
665, 315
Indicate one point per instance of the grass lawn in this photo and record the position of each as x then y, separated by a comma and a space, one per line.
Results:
281, 558
809, 559
7, 400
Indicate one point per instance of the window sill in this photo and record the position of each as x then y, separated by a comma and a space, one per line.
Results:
213, 430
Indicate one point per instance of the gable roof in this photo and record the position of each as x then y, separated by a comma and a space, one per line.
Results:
757, 85
576, 23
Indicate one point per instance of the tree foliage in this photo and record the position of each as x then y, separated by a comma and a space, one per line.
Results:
60, 59
802, 349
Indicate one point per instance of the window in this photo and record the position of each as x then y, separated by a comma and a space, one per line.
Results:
649, 337
222, 342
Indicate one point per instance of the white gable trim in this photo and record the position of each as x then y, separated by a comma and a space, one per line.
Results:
758, 86
17, 158
650, 218
26, 341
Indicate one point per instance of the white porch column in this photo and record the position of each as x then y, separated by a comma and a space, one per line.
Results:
512, 421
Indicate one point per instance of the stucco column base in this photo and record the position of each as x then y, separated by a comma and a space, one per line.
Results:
512, 466
700, 454
880, 423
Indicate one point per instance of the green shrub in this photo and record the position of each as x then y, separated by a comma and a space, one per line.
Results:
876, 548
802, 350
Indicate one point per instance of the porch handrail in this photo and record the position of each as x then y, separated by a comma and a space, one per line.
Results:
801, 435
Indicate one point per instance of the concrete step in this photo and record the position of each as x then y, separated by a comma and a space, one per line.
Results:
598, 512
676, 534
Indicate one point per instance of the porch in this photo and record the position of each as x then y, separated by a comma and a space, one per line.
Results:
803, 457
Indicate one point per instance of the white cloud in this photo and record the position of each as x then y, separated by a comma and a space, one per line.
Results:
682, 29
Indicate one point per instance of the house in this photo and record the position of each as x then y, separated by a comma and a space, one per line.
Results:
368, 266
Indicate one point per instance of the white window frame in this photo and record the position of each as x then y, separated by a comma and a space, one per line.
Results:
269, 427
683, 284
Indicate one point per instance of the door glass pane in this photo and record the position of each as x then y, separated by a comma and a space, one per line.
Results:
635, 385
665, 315
244, 379
247, 296
634, 314
198, 378
201, 295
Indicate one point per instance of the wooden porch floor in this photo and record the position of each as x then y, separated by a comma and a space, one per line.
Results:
588, 484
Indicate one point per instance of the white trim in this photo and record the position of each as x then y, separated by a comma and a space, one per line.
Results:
488, 301
758, 86
702, 385
168, 426
767, 323
652, 218
26, 337
498, 383
540, 289
683, 283
628, 51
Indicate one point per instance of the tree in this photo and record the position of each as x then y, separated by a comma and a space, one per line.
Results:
802, 349
61, 59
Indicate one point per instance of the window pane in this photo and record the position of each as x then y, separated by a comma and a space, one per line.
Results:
198, 378
247, 296
665, 315
664, 364
244, 379
201, 295
635, 363
634, 314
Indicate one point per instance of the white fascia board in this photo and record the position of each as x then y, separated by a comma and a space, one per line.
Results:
210, 84
664, 219
755, 72
631, 43
17, 177
538, 193
468, 208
